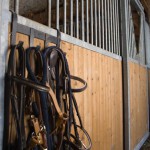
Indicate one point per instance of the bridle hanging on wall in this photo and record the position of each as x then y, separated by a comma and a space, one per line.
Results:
40, 105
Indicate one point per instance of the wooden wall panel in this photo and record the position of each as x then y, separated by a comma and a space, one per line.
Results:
38, 42
23, 38
138, 103
101, 103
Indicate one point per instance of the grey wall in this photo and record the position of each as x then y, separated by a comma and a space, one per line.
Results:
3, 50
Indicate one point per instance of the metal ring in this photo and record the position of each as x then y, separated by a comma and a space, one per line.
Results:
76, 147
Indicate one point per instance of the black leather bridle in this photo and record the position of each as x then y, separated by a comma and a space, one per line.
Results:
57, 101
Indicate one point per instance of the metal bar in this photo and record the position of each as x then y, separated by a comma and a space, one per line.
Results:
77, 18
141, 44
115, 14
57, 15
64, 37
129, 22
126, 81
143, 39
127, 13
74, 30
17, 6
130, 33
147, 45
138, 5
4, 26
108, 24
113, 19
99, 23
111, 27
114, 26
68, 29
135, 47
65, 14
79, 27
118, 29
130, 37
92, 22
87, 20
95, 7
144, 138
105, 7
129, 27
71, 17
132, 43
82, 10
49, 13
102, 9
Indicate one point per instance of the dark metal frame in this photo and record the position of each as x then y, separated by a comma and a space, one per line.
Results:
32, 33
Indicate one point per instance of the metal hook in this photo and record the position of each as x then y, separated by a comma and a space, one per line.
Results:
38, 48
58, 38
20, 44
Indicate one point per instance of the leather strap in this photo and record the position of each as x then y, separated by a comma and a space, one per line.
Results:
80, 80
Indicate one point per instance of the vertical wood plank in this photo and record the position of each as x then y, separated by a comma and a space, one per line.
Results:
120, 145
101, 101
111, 103
89, 99
97, 99
93, 58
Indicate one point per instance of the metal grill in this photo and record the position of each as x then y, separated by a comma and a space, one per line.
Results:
136, 47
93, 21
132, 42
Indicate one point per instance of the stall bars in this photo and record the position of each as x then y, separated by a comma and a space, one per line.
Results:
93, 21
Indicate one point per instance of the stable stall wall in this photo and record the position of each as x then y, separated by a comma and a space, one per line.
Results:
101, 104
138, 103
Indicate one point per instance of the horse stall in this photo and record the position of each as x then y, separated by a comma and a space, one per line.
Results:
100, 43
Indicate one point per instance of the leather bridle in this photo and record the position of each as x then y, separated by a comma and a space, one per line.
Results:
46, 99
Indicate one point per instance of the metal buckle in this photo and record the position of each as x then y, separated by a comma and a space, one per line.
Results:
38, 134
